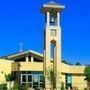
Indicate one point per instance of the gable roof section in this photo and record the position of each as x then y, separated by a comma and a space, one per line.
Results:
32, 52
23, 53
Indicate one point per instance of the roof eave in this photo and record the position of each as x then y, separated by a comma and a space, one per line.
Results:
26, 52
53, 6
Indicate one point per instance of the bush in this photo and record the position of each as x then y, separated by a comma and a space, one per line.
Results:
16, 86
62, 86
23, 87
3, 86
85, 88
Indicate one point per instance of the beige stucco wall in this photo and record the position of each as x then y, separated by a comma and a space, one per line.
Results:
5, 67
78, 81
77, 69
27, 66
64, 68
77, 75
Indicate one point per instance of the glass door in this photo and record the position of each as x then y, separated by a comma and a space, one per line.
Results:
29, 77
32, 80
26, 79
35, 81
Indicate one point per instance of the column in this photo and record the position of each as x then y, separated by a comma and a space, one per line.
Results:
27, 59
32, 58
58, 19
48, 18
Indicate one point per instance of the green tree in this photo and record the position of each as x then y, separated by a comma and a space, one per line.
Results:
87, 75
9, 78
78, 63
62, 86
3, 86
51, 76
16, 86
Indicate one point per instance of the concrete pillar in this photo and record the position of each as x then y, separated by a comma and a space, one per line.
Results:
27, 59
58, 19
32, 59
48, 18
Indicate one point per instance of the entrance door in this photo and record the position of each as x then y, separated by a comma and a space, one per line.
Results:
26, 79
32, 80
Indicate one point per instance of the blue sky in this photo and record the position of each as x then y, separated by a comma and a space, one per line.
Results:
21, 21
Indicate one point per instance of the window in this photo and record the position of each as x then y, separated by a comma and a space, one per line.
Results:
24, 78
35, 78
68, 80
29, 78
41, 78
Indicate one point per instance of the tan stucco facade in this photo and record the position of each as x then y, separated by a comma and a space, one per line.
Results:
8, 66
5, 68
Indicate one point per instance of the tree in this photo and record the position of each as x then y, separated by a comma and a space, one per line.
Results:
9, 78
78, 63
3, 86
62, 86
51, 76
87, 75
16, 86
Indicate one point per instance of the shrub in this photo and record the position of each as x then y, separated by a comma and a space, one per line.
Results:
3, 86
87, 76
16, 86
62, 86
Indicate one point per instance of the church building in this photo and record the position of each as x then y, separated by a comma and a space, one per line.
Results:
45, 71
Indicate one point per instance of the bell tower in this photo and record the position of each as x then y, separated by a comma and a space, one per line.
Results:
52, 35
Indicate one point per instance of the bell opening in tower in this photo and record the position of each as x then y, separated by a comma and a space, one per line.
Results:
53, 19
